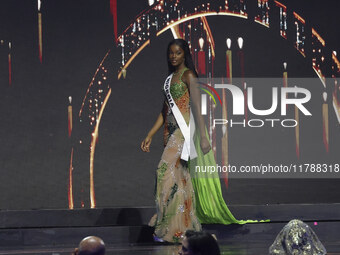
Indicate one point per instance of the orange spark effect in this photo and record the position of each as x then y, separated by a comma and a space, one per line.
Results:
322, 41
298, 17
280, 5
91, 83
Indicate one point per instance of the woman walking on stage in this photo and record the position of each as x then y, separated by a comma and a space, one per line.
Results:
182, 201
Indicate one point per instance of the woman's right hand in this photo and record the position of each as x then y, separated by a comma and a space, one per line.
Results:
205, 145
145, 146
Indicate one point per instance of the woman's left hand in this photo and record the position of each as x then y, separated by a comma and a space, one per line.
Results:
205, 145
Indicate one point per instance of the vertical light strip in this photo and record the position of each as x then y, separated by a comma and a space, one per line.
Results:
70, 184
204, 104
325, 122
93, 148
40, 35
9, 64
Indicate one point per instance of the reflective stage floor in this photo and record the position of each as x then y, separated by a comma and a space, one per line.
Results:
249, 239
154, 249
125, 230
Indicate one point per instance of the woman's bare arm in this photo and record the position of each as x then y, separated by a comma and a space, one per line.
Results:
145, 146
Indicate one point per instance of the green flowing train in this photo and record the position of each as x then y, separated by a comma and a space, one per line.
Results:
210, 205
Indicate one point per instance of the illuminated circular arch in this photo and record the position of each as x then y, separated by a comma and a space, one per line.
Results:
154, 21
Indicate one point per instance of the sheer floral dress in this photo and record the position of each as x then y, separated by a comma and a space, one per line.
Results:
175, 198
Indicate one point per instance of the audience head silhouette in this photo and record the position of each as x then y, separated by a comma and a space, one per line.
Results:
91, 245
199, 243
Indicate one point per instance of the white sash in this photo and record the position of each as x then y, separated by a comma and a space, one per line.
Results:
189, 150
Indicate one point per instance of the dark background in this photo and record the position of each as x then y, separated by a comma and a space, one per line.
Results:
35, 151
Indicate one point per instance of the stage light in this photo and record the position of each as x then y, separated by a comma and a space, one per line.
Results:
285, 65
324, 96
201, 43
334, 52
124, 73
240, 42
228, 42
151, 2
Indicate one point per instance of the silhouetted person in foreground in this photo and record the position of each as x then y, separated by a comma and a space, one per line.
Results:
90, 245
199, 243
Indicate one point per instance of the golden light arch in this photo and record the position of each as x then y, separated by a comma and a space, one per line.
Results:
98, 92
